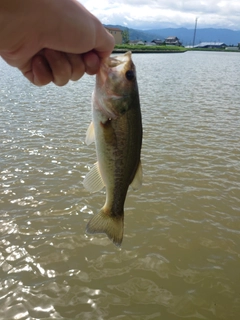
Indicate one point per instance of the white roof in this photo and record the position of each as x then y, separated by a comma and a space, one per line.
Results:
204, 44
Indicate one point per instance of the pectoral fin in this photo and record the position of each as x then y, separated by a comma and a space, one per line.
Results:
90, 135
137, 181
93, 181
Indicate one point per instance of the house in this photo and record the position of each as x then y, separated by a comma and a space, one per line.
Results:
211, 45
150, 44
158, 42
232, 48
117, 34
173, 41
136, 42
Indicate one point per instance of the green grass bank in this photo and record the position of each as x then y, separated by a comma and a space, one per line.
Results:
148, 49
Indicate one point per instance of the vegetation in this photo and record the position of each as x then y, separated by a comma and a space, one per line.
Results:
125, 36
213, 49
206, 49
138, 47
164, 48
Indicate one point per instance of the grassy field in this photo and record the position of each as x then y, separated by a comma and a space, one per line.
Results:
161, 49
138, 47
212, 49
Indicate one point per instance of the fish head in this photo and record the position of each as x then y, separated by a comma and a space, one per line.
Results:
116, 85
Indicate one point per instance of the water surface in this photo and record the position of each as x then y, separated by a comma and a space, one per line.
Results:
180, 257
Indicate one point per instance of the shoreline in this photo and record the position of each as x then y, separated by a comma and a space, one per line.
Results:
147, 51
170, 51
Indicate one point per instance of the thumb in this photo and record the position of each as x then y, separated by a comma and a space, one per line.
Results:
104, 43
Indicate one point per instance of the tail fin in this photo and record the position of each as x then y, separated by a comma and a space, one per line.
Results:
105, 223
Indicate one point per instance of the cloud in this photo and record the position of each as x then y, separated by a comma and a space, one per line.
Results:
147, 14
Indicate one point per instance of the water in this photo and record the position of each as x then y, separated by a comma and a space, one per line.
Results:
180, 257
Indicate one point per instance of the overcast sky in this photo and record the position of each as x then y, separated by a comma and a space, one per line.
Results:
153, 14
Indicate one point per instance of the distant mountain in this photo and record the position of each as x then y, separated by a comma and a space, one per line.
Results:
229, 37
139, 34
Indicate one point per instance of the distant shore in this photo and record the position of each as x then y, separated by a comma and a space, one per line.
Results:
147, 51
137, 49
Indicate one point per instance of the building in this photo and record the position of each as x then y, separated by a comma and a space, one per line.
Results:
211, 45
117, 34
150, 44
173, 41
232, 48
158, 42
134, 42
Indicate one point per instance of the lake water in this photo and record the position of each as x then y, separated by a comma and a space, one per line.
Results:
180, 257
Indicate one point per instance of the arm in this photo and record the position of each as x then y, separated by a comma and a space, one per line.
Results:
52, 40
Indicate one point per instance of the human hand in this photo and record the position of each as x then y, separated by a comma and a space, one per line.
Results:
52, 40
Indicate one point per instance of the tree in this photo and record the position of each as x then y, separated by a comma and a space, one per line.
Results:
125, 36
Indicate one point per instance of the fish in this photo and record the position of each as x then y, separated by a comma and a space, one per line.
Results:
116, 129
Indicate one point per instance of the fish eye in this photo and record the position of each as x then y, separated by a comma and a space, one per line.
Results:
130, 75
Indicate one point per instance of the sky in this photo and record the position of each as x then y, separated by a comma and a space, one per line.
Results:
157, 14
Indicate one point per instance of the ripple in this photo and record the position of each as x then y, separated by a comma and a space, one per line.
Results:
180, 254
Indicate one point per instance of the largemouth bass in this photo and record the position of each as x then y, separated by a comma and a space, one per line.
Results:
117, 131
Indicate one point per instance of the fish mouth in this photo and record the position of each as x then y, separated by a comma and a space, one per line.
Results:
113, 65
113, 62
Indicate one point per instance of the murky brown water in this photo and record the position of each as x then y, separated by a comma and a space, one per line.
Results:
180, 257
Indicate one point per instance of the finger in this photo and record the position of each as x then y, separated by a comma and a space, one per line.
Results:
77, 65
60, 66
40, 73
105, 43
92, 62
